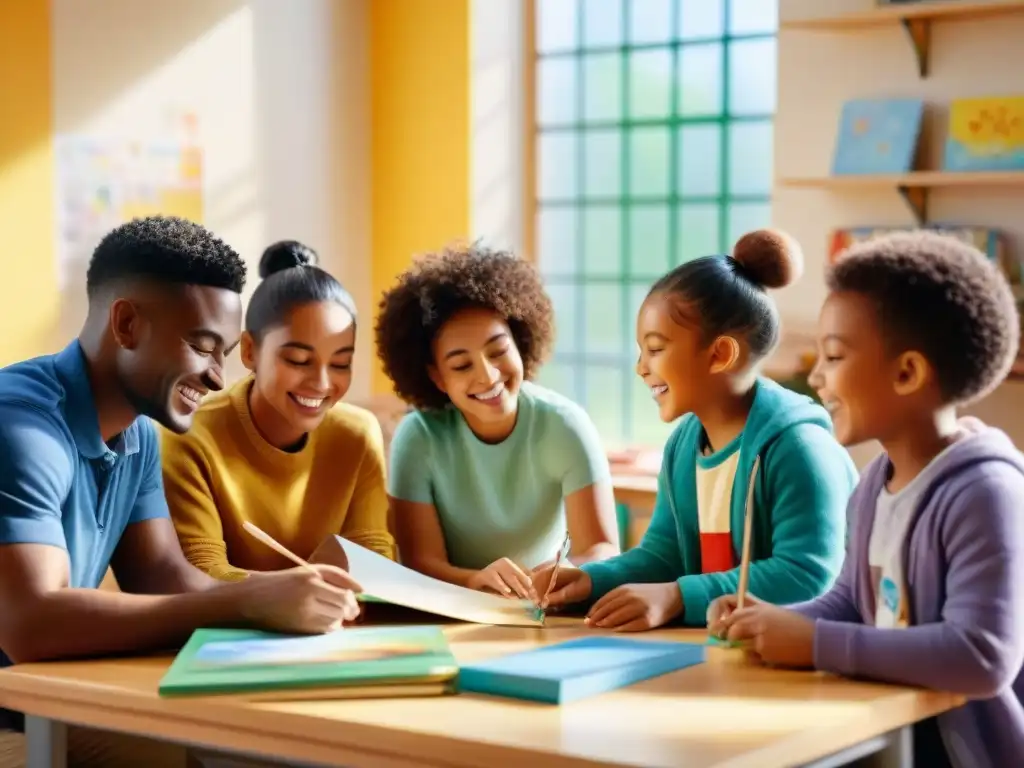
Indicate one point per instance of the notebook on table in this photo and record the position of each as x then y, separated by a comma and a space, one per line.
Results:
575, 669
361, 662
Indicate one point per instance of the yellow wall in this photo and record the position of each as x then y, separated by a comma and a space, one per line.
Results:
419, 81
28, 287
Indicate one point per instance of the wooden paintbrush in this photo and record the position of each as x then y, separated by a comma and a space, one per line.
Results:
278, 547
748, 525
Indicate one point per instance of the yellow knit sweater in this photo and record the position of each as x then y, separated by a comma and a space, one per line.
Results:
222, 473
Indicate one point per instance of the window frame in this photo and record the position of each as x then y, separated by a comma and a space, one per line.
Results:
621, 363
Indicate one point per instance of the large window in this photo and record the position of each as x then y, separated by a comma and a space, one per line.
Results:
653, 146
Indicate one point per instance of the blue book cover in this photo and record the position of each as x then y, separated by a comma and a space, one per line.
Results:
575, 669
877, 136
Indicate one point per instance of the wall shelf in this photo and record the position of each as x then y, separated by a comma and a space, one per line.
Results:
915, 18
913, 187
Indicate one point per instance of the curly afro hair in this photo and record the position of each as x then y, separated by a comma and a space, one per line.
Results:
438, 286
942, 297
165, 249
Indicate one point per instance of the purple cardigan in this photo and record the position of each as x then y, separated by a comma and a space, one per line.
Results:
964, 566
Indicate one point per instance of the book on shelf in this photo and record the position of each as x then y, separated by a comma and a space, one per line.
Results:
989, 240
985, 134
877, 136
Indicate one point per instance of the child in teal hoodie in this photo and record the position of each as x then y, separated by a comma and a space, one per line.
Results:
743, 442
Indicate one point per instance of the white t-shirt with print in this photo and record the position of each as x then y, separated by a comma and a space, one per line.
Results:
893, 515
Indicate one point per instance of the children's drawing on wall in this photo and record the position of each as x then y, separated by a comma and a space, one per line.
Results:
103, 181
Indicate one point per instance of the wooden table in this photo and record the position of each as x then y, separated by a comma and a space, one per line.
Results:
635, 496
637, 492
725, 712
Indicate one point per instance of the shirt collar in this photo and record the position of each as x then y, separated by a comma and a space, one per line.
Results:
80, 409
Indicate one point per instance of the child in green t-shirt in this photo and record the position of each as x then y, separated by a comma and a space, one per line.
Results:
490, 471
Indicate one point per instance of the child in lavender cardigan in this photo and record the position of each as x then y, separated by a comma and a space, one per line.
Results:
932, 590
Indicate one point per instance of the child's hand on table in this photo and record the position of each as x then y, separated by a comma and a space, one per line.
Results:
504, 577
721, 608
775, 635
636, 607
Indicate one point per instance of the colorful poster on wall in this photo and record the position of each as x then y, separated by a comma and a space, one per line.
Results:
105, 181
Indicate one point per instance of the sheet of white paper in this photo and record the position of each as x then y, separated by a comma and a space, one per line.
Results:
394, 583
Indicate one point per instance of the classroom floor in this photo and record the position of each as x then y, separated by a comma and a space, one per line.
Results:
12, 750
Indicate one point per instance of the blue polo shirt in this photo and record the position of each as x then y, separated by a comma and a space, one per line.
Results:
60, 484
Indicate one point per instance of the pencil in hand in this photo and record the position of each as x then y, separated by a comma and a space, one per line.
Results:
278, 547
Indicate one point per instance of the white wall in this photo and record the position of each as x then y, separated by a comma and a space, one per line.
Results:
280, 89
817, 73
498, 123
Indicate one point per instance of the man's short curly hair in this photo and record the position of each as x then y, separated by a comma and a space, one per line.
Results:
438, 286
165, 249
941, 297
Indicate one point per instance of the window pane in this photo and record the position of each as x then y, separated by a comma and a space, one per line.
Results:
637, 294
602, 23
648, 241
602, 86
562, 378
701, 19
634, 198
750, 158
602, 159
700, 172
556, 153
698, 232
602, 248
566, 298
700, 80
649, 161
752, 17
556, 25
603, 313
556, 240
605, 401
752, 77
746, 217
650, 21
648, 428
650, 84
556, 91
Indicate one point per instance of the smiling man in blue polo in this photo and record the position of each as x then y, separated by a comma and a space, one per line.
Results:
80, 479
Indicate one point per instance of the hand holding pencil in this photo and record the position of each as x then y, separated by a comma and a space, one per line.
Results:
307, 599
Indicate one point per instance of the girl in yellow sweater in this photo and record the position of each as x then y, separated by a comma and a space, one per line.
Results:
278, 448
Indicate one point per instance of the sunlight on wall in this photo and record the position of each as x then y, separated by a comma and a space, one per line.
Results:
419, 81
282, 105
200, 61
497, 104
28, 290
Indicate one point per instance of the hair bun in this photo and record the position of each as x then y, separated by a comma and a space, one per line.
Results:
769, 258
286, 254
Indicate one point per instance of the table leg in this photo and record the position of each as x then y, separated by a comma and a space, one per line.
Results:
46, 743
897, 753
891, 750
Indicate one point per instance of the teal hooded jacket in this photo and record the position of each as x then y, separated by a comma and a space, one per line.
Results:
797, 476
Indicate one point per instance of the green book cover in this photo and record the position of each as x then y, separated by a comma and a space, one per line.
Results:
351, 662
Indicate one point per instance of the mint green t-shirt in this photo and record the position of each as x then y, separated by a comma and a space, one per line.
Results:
503, 499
